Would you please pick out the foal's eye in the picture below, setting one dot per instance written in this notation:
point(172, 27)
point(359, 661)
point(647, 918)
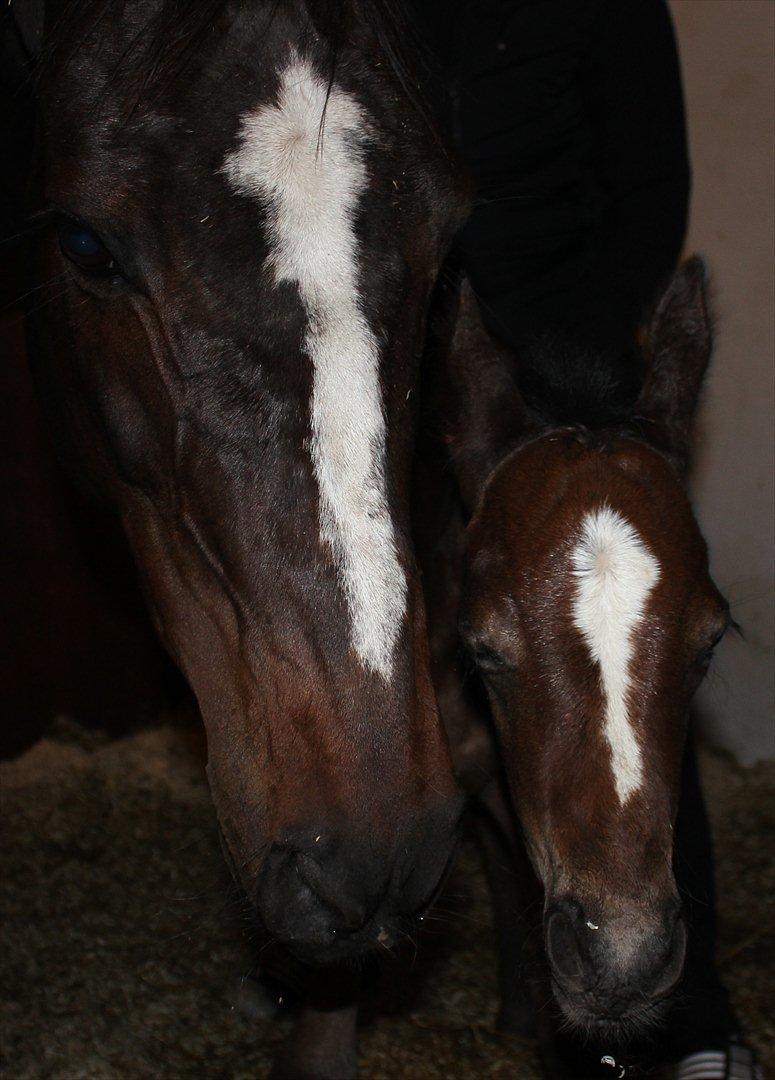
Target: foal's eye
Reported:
point(84, 248)
point(704, 657)
point(705, 654)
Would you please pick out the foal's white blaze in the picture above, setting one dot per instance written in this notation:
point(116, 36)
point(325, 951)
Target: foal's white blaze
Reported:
point(310, 180)
point(615, 573)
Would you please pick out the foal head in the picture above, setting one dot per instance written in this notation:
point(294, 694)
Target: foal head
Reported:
point(591, 614)
point(250, 213)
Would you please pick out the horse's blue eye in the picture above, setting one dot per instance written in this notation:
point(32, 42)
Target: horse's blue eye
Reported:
point(85, 249)
point(81, 242)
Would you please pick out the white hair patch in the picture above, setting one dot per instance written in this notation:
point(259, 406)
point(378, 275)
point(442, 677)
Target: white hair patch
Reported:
point(615, 574)
point(309, 171)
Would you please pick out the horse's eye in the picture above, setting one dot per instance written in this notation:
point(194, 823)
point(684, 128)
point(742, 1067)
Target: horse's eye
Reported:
point(84, 248)
point(488, 659)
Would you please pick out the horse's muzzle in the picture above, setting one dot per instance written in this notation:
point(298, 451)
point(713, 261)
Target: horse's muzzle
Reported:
point(330, 897)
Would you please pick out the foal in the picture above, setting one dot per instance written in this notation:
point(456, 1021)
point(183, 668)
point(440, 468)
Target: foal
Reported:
point(248, 211)
point(586, 604)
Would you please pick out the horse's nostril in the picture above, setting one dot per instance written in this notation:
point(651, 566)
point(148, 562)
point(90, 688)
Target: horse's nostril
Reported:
point(309, 871)
point(303, 898)
point(348, 912)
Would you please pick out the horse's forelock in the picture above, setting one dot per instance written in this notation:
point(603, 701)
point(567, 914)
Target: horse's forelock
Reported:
point(164, 41)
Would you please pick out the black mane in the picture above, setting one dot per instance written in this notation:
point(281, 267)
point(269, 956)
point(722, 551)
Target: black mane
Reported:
point(568, 383)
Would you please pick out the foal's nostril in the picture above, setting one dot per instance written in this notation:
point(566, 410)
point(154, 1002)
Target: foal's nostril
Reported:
point(615, 963)
point(673, 964)
point(566, 951)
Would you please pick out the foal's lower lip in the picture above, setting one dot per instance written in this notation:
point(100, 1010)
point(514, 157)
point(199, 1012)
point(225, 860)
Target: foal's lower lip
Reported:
point(605, 1022)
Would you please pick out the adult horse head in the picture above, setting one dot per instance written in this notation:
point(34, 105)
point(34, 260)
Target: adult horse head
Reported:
point(249, 212)
point(590, 612)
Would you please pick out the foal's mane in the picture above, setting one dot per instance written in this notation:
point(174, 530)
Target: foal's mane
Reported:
point(591, 386)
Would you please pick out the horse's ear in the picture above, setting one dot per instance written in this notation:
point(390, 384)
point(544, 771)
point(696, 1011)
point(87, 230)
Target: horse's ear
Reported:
point(26, 19)
point(21, 41)
point(485, 416)
point(679, 342)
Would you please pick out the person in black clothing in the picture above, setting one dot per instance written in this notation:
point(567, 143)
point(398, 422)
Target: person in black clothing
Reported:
point(570, 117)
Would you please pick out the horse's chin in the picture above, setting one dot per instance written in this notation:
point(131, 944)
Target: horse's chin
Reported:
point(351, 954)
point(365, 950)
point(590, 1020)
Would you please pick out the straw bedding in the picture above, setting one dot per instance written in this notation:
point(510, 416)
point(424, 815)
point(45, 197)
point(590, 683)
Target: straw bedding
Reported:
point(124, 951)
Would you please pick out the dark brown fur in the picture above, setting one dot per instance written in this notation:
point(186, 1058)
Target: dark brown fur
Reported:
point(178, 387)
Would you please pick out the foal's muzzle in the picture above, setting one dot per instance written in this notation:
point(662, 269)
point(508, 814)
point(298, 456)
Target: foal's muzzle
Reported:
point(613, 971)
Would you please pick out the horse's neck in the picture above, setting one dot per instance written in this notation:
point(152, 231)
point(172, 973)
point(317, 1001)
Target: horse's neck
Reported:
point(439, 539)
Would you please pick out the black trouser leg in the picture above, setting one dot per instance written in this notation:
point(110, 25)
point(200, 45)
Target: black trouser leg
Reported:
point(701, 1017)
point(507, 879)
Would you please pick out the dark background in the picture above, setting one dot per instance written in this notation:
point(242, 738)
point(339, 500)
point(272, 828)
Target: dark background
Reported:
point(74, 636)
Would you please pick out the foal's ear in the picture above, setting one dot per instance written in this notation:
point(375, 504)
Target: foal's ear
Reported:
point(486, 416)
point(679, 342)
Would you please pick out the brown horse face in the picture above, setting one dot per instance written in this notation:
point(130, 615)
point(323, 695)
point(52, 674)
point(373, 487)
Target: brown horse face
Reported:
point(243, 258)
point(592, 614)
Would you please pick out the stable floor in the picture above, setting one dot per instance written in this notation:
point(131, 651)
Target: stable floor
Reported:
point(124, 952)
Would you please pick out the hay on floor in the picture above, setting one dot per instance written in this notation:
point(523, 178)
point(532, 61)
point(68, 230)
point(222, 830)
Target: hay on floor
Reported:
point(124, 949)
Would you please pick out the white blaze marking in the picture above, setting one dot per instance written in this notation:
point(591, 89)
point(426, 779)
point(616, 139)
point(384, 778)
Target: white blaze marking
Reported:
point(310, 184)
point(615, 574)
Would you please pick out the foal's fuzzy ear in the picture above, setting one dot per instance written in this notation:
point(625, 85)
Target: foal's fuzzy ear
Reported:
point(486, 416)
point(679, 342)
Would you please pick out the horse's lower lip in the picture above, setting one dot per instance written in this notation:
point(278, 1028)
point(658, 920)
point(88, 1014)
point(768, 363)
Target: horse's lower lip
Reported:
point(341, 949)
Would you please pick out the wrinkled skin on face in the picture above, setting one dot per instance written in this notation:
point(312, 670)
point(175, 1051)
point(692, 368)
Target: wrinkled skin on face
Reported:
point(178, 381)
